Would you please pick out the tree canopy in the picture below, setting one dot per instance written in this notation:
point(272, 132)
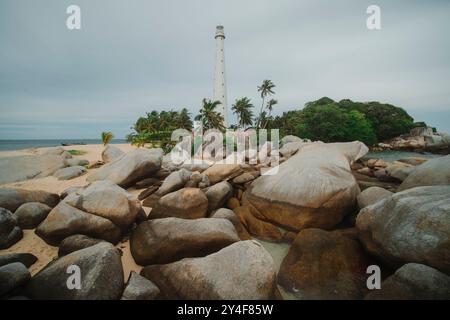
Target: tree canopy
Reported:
point(327, 120)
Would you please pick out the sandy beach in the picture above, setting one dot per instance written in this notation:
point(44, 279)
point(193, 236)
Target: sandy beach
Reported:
point(31, 243)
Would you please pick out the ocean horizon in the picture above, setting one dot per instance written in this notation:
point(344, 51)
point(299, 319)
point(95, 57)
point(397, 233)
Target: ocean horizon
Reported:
point(20, 144)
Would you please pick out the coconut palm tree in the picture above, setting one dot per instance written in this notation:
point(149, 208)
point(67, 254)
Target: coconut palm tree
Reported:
point(265, 89)
point(270, 105)
point(209, 116)
point(107, 137)
point(183, 119)
point(243, 109)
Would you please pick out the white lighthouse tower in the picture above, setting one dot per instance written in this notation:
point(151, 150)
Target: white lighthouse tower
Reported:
point(220, 85)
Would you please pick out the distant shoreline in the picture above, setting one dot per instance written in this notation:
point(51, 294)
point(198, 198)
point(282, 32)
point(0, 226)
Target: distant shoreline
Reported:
point(22, 144)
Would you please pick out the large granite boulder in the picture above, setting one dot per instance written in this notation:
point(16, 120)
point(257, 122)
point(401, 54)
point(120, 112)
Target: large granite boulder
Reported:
point(315, 188)
point(12, 276)
point(101, 274)
point(26, 259)
point(399, 172)
point(218, 194)
point(324, 265)
point(432, 173)
point(140, 288)
point(31, 214)
point(228, 214)
point(12, 199)
point(75, 243)
point(243, 270)
point(290, 138)
point(256, 226)
point(130, 168)
point(69, 172)
point(170, 239)
point(65, 220)
point(188, 203)
point(20, 168)
point(409, 226)
point(220, 171)
point(175, 181)
point(10, 233)
point(106, 199)
point(413, 282)
point(372, 195)
point(111, 153)
point(414, 161)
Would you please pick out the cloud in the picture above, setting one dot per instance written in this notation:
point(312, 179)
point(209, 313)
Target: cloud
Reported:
point(132, 57)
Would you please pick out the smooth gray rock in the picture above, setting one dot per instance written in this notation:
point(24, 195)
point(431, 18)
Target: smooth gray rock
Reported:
point(432, 173)
point(130, 168)
point(243, 270)
point(10, 233)
point(218, 194)
point(413, 282)
point(399, 172)
point(107, 200)
point(187, 203)
point(65, 220)
point(26, 259)
point(324, 265)
point(244, 178)
point(20, 168)
point(228, 214)
point(140, 288)
point(111, 153)
point(70, 190)
point(409, 226)
point(12, 276)
point(69, 172)
point(175, 181)
point(290, 138)
point(219, 172)
point(101, 276)
point(315, 188)
point(31, 214)
point(11, 198)
point(149, 182)
point(372, 195)
point(170, 239)
point(75, 243)
point(147, 192)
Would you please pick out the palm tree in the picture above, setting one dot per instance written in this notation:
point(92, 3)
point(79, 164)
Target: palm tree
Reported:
point(266, 89)
point(152, 121)
point(107, 137)
point(262, 117)
point(183, 119)
point(270, 105)
point(242, 108)
point(209, 116)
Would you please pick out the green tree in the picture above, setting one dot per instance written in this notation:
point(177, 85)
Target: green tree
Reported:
point(209, 116)
point(329, 123)
point(107, 137)
point(270, 105)
point(265, 89)
point(243, 109)
point(184, 120)
point(387, 120)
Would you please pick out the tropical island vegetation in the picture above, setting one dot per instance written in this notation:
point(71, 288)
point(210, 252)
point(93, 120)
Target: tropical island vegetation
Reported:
point(323, 119)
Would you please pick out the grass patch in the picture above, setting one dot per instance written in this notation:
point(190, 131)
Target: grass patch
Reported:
point(77, 152)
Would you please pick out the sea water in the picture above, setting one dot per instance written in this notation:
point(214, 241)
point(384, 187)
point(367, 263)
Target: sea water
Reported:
point(8, 145)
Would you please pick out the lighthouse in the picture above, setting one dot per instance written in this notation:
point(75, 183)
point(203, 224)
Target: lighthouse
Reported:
point(220, 85)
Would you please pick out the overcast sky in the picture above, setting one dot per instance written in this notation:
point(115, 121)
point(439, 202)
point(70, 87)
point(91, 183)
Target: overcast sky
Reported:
point(139, 55)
